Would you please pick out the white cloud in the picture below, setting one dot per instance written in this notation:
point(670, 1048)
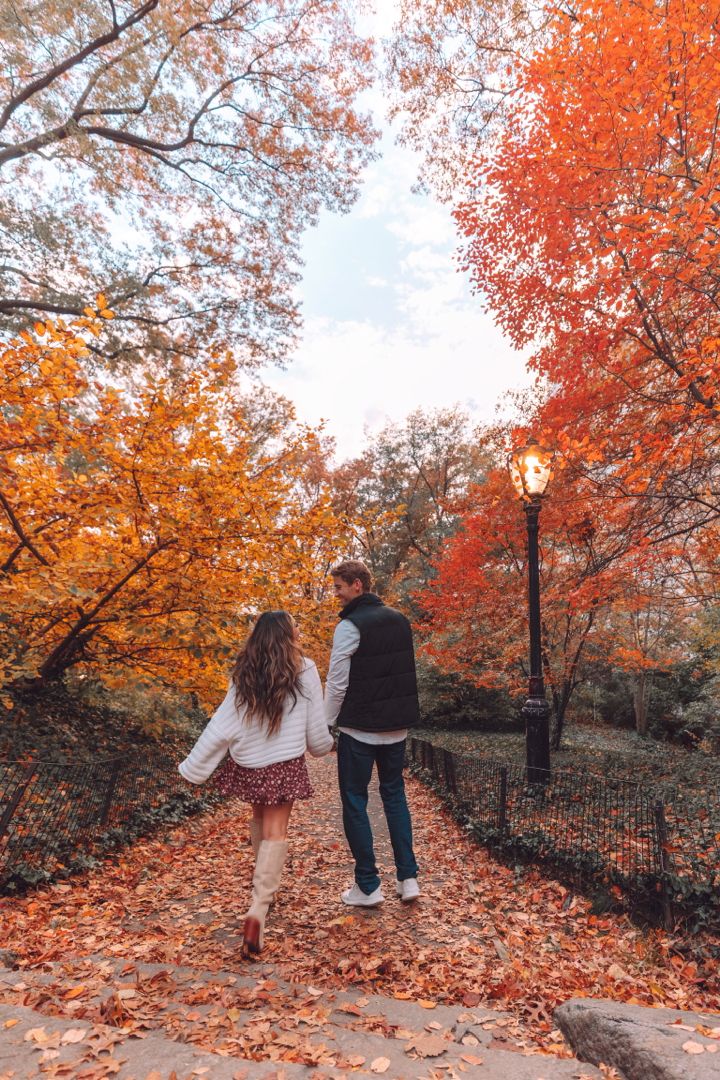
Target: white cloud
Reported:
point(391, 324)
point(356, 376)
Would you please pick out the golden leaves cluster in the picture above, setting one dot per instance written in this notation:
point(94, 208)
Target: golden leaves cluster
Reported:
point(144, 522)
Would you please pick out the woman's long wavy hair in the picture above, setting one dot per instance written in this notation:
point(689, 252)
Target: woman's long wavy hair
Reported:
point(267, 669)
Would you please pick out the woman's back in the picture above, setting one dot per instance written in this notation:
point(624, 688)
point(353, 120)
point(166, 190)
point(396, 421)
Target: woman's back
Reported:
point(301, 728)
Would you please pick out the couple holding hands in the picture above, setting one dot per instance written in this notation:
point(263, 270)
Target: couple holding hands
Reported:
point(274, 711)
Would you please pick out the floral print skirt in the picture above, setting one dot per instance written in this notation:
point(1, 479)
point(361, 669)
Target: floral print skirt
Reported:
point(283, 782)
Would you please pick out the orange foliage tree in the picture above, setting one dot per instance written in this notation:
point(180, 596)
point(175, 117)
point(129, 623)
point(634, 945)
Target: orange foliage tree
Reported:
point(594, 234)
point(476, 607)
point(143, 524)
point(591, 221)
point(628, 601)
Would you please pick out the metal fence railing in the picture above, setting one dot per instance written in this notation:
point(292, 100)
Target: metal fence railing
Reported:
point(53, 813)
point(598, 828)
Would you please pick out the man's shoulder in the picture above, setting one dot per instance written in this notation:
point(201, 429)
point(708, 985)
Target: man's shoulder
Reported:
point(386, 616)
point(395, 613)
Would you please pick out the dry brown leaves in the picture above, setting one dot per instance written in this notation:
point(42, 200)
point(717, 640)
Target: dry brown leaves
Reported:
point(179, 900)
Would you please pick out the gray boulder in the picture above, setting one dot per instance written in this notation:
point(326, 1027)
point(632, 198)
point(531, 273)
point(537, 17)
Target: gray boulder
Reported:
point(643, 1044)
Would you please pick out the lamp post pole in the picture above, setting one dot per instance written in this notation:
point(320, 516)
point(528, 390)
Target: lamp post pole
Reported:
point(536, 710)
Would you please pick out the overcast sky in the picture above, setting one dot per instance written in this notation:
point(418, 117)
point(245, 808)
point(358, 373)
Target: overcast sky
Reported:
point(390, 323)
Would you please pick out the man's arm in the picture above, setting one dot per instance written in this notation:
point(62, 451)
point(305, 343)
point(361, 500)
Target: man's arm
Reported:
point(345, 644)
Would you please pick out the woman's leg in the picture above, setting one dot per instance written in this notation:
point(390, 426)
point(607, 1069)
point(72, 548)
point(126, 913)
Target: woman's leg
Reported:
point(256, 826)
point(275, 821)
point(268, 870)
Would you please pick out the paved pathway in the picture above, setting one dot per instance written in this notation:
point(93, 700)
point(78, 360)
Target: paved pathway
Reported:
point(136, 971)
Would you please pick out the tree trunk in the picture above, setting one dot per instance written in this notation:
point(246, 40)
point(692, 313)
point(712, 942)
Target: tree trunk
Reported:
point(641, 698)
point(560, 704)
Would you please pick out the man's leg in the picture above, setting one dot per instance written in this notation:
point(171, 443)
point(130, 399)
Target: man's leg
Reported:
point(355, 765)
point(390, 761)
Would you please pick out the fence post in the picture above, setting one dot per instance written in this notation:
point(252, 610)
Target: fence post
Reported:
point(15, 800)
point(450, 776)
point(112, 783)
point(661, 844)
point(502, 809)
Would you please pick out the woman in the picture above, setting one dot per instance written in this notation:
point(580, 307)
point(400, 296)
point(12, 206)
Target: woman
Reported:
point(272, 713)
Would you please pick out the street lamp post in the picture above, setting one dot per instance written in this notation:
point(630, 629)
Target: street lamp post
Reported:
point(530, 470)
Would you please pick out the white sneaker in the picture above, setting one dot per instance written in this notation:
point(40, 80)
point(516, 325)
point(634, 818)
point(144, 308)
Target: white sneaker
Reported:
point(408, 889)
point(355, 897)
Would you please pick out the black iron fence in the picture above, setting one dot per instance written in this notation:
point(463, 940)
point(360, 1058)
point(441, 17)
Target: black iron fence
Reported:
point(53, 816)
point(597, 828)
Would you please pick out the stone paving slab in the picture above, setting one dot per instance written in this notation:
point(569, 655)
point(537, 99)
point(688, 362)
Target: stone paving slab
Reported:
point(32, 1047)
point(342, 1004)
point(22, 1057)
point(407, 1040)
point(644, 1044)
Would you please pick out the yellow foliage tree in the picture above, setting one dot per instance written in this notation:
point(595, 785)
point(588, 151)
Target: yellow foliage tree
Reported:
point(144, 523)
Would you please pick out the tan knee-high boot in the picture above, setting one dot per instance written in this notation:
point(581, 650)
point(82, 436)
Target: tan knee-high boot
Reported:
point(268, 871)
point(256, 840)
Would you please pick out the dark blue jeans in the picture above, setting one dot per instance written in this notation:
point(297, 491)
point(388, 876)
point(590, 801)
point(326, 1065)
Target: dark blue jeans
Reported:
point(355, 766)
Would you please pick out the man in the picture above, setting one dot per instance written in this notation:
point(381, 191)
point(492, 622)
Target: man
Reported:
point(371, 693)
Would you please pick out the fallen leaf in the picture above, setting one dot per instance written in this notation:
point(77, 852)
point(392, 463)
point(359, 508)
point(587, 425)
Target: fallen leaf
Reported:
point(472, 1059)
point(73, 1035)
point(35, 1035)
point(380, 1065)
point(427, 1045)
point(691, 1047)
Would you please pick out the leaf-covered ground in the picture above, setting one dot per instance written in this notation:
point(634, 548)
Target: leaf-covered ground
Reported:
point(482, 934)
point(663, 767)
point(685, 779)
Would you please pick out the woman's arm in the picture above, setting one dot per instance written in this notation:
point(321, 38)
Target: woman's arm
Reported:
point(212, 746)
point(318, 738)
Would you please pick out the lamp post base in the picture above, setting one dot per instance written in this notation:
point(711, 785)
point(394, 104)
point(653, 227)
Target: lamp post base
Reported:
point(536, 713)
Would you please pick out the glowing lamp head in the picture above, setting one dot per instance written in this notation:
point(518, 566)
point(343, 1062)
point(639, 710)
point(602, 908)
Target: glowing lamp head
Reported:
point(531, 470)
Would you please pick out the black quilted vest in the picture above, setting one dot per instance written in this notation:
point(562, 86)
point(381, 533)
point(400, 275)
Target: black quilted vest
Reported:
point(382, 691)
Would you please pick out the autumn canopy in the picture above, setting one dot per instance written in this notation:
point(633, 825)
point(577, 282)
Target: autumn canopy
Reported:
point(166, 160)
